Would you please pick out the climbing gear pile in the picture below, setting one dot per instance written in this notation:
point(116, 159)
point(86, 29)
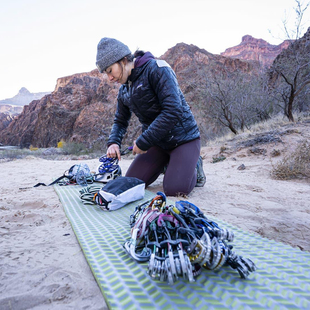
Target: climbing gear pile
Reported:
point(77, 174)
point(80, 174)
point(179, 241)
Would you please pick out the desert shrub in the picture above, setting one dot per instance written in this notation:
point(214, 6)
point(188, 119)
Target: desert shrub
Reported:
point(11, 153)
point(295, 165)
point(72, 148)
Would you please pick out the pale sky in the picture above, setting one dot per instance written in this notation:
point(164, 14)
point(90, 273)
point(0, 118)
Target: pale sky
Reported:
point(41, 40)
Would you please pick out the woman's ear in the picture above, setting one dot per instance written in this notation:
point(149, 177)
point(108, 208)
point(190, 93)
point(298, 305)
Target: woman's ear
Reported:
point(124, 60)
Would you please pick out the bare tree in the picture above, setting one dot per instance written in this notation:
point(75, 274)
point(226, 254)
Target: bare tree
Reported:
point(297, 30)
point(237, 99)
point(290, 74)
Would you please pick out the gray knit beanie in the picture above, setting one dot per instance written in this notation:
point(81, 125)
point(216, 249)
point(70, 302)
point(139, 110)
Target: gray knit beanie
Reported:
point(109, 51)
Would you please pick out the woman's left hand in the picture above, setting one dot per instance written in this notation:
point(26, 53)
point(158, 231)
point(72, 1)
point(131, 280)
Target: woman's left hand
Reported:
point(136, 150)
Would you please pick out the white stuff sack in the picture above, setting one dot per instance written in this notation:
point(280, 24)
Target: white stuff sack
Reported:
point(119, 192)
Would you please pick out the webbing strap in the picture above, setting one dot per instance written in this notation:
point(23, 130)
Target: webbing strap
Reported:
point(54, 182)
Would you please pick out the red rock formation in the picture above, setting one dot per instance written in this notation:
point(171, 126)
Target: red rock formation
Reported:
point(45, 122)
point(82, 106)
point(192, 65)
point(10, 110)
point(5, 120)
point(256, 49)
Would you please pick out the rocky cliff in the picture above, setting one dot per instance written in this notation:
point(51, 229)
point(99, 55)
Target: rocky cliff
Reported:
point(10, 110)
point(78, 110)
point(82, 106)
point(256, 49)
point(193, 65)
point(5, 120)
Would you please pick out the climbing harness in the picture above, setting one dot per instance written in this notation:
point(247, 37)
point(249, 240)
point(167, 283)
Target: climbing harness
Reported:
point(179, 241)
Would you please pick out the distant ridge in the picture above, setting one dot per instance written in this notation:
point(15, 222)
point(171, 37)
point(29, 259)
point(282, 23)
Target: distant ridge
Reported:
point(23, 97)
point(256, 49)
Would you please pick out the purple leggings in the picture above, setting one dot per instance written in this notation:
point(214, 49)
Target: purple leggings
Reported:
point(180, 177)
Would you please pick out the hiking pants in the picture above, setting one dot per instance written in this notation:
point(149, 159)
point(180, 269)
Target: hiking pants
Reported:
point(180, 176)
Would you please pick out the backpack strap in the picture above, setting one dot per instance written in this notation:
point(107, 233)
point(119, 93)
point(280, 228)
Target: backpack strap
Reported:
point(101, 201)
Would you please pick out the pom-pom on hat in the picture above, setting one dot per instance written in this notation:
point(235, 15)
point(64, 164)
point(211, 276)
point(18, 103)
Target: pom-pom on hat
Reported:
point(109, 51)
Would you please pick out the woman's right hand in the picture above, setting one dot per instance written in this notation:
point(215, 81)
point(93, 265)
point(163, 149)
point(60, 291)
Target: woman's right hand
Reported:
point(113, 151)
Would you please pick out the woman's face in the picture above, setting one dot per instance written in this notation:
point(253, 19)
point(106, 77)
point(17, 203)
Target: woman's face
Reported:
point(117, 73)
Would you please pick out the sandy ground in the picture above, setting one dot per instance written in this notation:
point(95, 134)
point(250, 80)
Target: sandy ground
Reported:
point(42, 265)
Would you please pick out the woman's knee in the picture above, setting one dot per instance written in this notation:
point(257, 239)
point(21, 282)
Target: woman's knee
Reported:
point(178, 188)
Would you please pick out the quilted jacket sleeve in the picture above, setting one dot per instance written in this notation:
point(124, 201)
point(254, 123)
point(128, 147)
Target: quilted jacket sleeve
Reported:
point(121, 121)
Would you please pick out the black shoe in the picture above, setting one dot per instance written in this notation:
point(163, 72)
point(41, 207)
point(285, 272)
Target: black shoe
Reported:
point(201, 177)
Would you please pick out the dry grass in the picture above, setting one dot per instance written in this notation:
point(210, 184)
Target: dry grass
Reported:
point(295, 165)
point(67, 151)
point(273, 123)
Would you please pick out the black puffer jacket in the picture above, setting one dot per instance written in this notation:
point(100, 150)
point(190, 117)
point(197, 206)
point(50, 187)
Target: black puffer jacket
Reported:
point(153, 94)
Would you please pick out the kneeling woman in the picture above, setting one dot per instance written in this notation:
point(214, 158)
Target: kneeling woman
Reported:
point(170, 136)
